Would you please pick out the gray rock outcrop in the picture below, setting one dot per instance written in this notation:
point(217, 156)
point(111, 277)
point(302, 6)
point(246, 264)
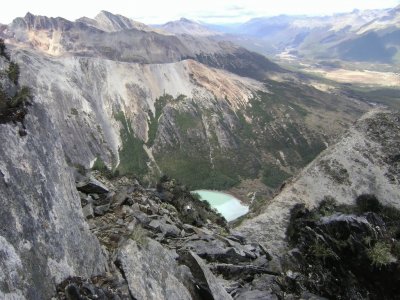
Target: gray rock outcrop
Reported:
point(43, 235)
point(151, 272)
point(205, 276)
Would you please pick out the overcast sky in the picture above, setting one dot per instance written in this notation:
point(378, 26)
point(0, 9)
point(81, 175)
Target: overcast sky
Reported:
point(160, 11)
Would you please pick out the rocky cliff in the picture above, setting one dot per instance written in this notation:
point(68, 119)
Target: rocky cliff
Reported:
point(44, 237)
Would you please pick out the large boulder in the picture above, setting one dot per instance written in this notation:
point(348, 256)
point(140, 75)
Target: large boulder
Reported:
point(151, 271)
point(205, 278)
point(91, 185)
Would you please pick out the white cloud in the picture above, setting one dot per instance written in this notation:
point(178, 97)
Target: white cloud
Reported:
point(158, 11)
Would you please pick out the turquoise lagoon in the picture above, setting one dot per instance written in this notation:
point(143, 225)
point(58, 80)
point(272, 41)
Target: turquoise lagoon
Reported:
point(229, 206)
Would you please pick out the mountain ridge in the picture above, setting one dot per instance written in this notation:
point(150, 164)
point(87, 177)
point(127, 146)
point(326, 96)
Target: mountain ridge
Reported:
point(57, 37)
point(109, 22)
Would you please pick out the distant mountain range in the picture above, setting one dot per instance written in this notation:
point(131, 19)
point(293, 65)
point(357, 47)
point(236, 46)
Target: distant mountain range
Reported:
point(370, 35)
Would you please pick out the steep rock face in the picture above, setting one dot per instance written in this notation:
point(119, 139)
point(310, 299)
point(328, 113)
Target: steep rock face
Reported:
point(44, 238)
point(87, 98)
point(364, 161)
point(182, 114)
point(58, 36)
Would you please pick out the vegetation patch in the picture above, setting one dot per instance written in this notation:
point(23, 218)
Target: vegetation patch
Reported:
point(336, 171)
point(380, 254)
point(13, 72)
point(385, 96)
point(195, 171)
point(13, 107)
point(272, 126)
point(185, 121)
point(159, 105)
point(133, 158)
point(99, 165)
point(74, 111)
point(273, 176)
point(268, 112)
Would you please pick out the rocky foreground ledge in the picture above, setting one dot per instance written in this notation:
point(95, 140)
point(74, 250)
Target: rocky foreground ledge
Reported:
point(163, 243)
point(337, 232)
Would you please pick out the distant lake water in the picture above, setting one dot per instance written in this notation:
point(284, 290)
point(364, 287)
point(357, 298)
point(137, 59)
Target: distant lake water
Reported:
point(229, 206)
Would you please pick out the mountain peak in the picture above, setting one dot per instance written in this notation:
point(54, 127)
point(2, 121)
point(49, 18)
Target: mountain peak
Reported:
point(186, 26)
point(38, 22)
point(106, 13)
point(109, 22)
point(29, 15)
point(185, 20)
point(109, 15)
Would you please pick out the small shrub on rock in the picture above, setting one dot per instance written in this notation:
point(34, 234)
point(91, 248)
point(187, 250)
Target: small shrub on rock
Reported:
point(13, 72)
point(380, 254)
